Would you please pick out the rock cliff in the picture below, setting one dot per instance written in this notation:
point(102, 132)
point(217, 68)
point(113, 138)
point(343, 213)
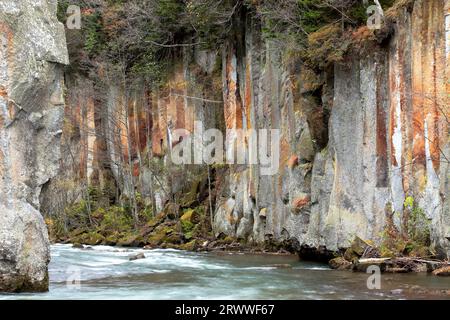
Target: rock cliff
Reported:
point(371, 132)
point(357, 139)
point(32, 50)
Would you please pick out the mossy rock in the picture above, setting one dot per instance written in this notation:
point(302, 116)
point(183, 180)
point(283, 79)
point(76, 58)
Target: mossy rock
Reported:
point(340, 263)
point(93, 238)
point(357, 249)
point(167, 229)
point(131, 240)
point(359, 246)
point(174, 238)
point(111, 240)
point(226, 240)
point(191, 215)
point(153, 222)
point(350, 255)
point(190, 246)
point(159, 235)
point(155, 239)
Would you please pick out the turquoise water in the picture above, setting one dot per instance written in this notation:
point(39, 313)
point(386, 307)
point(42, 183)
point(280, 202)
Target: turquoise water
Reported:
point(106, 273)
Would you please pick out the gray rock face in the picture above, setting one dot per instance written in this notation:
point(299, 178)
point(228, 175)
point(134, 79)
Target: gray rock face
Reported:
point(32, 50)
point(354, 140)
point(387, 138)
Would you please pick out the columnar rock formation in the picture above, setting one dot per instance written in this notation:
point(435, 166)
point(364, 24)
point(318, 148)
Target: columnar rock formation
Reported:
point(32, 50)
point(387, 137)
point(356, 140)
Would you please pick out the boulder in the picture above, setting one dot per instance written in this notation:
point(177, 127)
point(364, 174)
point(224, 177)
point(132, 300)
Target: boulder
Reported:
point(359, 246)
point(443, 272)
point(24, 250)
point(357, 249)
point(132, 240)
point(340, 263)
point(137, 256)
point(190, 246)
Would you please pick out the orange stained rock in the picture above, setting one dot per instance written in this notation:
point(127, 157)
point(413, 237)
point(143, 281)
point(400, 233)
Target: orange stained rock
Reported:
point(293, 161)
point(248, 94)
point(3, 92)
point(301, 202)
point(232, 98)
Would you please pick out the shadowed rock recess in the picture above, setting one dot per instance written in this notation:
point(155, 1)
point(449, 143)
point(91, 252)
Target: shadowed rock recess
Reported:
point(364, 142)
point(32, 50)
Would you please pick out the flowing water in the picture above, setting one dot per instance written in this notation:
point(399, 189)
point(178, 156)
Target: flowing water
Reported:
point(106, 273)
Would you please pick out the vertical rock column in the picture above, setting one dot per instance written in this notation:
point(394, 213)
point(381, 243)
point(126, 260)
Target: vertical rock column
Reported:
point(32, 52)
point(445, 177)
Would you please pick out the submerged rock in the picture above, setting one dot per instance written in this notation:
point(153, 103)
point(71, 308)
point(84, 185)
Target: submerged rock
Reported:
point(137, 257)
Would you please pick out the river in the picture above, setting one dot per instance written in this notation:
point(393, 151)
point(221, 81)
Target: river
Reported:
point(106, 273)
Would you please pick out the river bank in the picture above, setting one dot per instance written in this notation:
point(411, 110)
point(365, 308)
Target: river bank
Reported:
point(190, 230)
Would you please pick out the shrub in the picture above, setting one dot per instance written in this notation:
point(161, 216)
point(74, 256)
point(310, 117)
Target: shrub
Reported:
point(418, 225)
point(116, 219)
